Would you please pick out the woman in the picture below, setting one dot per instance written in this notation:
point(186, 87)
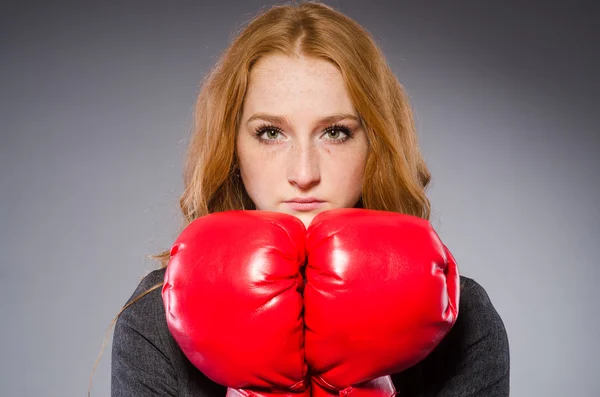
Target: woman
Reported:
point(302, 115)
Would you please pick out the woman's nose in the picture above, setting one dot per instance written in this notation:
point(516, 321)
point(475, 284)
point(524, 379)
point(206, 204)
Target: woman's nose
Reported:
point(303, 167)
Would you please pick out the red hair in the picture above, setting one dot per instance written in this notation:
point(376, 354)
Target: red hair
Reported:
point(396, 172)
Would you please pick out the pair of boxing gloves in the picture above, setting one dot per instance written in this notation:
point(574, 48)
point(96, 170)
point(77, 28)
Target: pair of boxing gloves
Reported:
point(267, 307)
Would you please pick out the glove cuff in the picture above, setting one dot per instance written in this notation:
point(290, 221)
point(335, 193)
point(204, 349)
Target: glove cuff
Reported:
point(378, 387)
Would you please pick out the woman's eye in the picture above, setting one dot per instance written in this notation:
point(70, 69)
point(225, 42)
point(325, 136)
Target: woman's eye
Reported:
point(267, 133)
point(334, 134)
point(271, 134)
point(338, 134)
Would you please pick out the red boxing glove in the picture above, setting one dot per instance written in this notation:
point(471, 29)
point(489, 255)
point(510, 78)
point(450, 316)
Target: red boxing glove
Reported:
point(381, 292)
point(233, 301)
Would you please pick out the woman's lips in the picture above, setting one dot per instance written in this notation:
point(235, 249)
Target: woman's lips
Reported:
point(304, 204)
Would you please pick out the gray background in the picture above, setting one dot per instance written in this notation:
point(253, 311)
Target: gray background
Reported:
point(96, 104)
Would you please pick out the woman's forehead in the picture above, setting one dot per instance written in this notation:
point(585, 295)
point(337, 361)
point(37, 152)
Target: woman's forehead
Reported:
point(283, 84)
point(281, 72)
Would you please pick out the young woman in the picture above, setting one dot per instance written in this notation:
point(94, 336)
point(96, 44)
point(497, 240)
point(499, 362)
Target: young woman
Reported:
point(302, 120)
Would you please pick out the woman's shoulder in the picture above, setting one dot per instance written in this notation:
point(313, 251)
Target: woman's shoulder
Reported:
point(145, 304)
point(479, 325)
point(472, 292)
point(144, 312)
point(150, 280)
point(475, 305)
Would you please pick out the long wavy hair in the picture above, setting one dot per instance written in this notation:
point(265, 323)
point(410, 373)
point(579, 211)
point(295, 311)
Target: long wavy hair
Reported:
point(395, 170)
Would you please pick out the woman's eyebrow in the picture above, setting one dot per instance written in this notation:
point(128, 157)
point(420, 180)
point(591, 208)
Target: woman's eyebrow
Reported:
point(282, 120)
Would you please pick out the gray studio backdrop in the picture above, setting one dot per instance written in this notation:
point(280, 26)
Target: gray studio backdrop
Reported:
point(96, 104)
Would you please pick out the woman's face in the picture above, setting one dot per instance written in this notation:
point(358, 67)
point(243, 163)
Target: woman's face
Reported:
point(301, 146)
